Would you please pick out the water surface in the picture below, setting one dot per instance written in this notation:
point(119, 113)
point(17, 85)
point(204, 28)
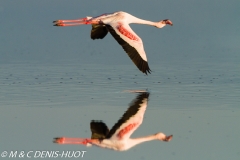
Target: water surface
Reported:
point(200, 107)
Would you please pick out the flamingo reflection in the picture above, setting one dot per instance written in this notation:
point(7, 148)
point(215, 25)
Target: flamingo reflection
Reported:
point(118, 138)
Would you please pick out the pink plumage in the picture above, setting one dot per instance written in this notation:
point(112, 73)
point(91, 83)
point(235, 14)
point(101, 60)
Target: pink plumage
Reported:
point(117, 24)
point(118, 138)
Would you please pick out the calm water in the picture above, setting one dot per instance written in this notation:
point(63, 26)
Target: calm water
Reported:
point(54, 81)
point(199, 105)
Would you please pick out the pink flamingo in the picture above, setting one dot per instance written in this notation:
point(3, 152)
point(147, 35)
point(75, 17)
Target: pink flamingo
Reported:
point(117, 24)
point(118, 138)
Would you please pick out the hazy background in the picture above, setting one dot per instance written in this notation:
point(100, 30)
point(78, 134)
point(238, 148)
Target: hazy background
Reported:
point(55, 80)
point(202, 29)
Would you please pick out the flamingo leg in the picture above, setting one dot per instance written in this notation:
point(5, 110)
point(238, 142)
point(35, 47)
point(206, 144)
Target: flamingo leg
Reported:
point(69, 24)
point(66, 140)
point(70, 20)
point(74, 22)
point(65, 23)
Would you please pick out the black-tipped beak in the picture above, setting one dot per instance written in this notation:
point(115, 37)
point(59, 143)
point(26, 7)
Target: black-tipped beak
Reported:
point(167, 21)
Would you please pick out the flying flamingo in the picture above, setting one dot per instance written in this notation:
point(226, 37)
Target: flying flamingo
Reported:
point(117, 24)
point(118, 138)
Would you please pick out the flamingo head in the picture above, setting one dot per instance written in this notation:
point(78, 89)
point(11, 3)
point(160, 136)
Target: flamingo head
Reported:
point(162, 137)
point(163, 23)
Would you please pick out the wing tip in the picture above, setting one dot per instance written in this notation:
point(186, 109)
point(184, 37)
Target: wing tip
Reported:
point(144, 67)
point(147, 71)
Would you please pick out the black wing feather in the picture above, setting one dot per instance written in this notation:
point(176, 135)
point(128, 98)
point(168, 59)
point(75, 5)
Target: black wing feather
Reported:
point(131, 51)
point(99, 129)
point(98, 31)
point(132, 110)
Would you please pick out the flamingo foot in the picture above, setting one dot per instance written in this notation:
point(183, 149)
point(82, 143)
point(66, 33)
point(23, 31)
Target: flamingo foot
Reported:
point(59, 24)
point(58, 140)
point(58, 21)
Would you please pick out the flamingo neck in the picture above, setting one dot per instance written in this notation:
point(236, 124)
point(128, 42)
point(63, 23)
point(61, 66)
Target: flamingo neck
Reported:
point(145, 139)
point(142, 21)
point(136, 141)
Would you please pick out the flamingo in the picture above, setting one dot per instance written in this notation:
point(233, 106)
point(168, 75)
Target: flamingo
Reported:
point(117, 24)
point(118, 138)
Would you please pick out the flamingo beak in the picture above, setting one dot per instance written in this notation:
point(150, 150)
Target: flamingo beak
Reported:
point(167, 21)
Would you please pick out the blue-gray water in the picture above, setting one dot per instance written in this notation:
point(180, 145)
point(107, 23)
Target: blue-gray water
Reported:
point(54, 81)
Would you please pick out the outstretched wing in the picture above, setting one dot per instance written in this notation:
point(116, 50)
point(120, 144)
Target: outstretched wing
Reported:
point(131, 43)
point(98, 31)
point(131, 119)
point(99, 129)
